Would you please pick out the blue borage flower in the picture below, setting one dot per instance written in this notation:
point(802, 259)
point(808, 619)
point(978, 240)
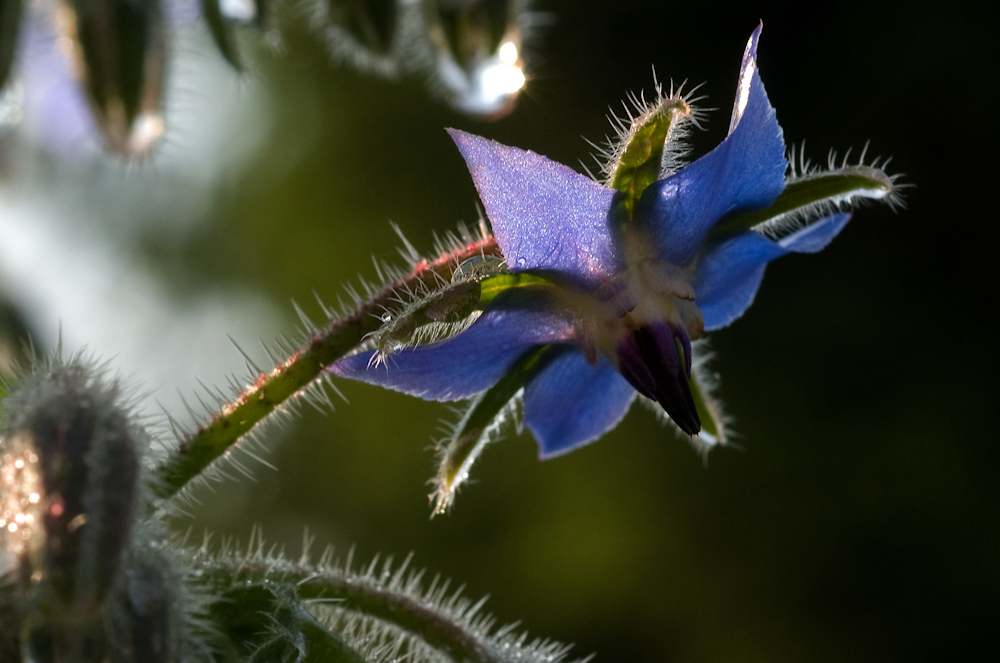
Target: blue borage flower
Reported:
point(625, 275)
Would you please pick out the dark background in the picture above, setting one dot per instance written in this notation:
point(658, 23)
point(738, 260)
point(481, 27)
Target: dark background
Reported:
point(859, 519)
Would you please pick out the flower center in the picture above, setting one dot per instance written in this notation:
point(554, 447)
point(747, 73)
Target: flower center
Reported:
point(644, 326)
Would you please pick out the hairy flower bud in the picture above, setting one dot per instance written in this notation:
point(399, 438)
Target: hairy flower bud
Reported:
point(147, 614)
point(364, 34)
point(69, 467)
point(11, 608)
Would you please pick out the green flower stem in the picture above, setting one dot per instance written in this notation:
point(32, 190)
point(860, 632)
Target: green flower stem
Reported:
point(364, 596)
point(270, 390)
point(416, 617)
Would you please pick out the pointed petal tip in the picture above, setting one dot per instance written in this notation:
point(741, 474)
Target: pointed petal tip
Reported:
point(479, 150)
point(754, 40)
point(463, 140)
point(544, 215)
point(816, 236)
point(457, 135)
point(748, 72)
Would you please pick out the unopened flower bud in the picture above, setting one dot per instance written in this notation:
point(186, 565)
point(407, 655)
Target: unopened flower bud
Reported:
point(364, 34)
point(10, 20)
point(121, 51)
point(147, 611)
point(69, 470)
point(478, 55)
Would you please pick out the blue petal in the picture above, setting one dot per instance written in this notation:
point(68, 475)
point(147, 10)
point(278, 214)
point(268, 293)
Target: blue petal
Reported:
point(55, 106)
point(746, 171)
point(545, 216)
point(729, 274)
point(571, 403)
point(471, 362)
point(815, 236)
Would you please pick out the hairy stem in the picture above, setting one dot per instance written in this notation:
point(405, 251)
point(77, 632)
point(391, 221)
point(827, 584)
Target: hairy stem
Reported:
point(288, 378)
point(368, 597)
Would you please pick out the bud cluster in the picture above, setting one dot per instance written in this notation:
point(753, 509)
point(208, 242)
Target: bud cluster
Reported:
point(118, 51)
point(472, 51)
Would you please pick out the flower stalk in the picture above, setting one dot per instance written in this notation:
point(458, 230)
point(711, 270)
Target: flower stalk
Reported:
point(393, 599)
point(293, 376)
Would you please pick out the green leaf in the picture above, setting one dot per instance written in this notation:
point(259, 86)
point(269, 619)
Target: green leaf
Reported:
point(325, 647)
point(264, 623)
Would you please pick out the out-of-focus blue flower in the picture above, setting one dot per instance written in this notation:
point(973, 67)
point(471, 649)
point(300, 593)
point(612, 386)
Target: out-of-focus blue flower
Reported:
point(631, 288)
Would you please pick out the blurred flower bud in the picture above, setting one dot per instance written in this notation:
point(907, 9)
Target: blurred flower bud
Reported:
point(147, 614)
point(69, 470)
point(120, 47)
point(363, 33)
point(477, 49)
point(10, 20)
point(223, 17)
point(221, 29)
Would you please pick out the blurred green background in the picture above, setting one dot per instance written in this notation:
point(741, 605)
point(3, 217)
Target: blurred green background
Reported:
point(858, 521)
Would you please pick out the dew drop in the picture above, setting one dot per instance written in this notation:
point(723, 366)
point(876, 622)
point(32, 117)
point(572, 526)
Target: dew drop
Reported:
point(478, 267)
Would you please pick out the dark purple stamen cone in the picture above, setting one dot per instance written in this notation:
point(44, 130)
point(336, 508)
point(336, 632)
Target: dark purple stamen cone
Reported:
point(656, 360)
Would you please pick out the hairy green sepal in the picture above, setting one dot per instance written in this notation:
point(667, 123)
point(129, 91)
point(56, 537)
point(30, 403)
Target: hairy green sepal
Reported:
point(486, 413)
point(641, 160)
point(493, 286)
point(708, 411)
point(823, 189)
